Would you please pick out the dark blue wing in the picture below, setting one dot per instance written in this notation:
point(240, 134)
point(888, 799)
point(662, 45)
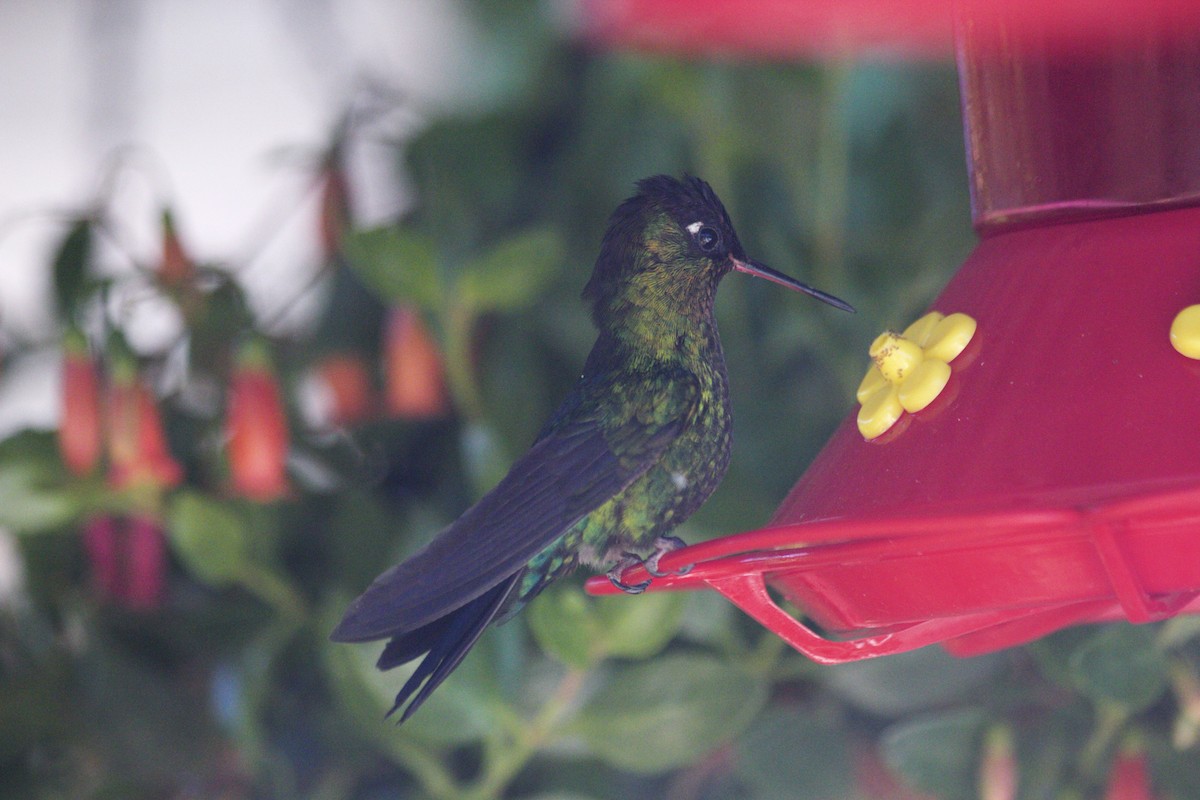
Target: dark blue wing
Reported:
point(569, 472)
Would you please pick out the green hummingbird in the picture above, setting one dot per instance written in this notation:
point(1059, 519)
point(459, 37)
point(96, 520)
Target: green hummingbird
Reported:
point(639, 444)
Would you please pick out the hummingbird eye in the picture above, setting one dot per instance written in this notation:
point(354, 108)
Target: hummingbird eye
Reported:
point(708, 239)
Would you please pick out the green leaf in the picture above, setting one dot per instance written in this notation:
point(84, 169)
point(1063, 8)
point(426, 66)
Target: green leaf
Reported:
point(1121, 665)
point(638, 627)
point(905, 683)
point(513, 274)
point(1053, 653)
point(224, 309)
point(71, 260)
point(209, 537)
point(657, 715)
point(578, 630)
point(463, 709)
point(563, 626)
point(35, 493)
point(937, 753)
point(400, 265)
point(788, 753)
point(30, 502)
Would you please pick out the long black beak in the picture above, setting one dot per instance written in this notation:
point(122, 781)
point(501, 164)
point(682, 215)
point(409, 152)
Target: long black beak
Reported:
point(775, 276)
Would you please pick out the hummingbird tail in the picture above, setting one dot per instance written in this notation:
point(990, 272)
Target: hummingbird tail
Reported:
point(445, 642)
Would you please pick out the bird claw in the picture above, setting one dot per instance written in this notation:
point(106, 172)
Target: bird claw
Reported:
point(614, 574)
point(662, 546)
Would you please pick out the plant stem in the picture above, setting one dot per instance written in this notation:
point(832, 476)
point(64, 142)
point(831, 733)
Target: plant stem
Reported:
point(275, 592)
point(510, 758)
point(428, 769)
point(833, 177)
point(1110, 719)
point(460, 373)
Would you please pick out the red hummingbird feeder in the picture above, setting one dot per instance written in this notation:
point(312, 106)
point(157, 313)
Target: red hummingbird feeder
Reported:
point(1055, 480)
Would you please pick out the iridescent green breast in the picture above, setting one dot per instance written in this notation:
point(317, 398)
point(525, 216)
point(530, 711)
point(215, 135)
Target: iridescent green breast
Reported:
point(690, 469)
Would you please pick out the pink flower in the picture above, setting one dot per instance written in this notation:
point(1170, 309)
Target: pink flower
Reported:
point(128, 559)
point(1129, 779)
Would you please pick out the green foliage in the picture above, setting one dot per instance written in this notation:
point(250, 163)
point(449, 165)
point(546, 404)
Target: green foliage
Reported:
point(668, 712)
point(209, 537)
point(788, 753)
point(398, 265)
point(1121, 665)
point(513, 274)
point(71, 266)
point(34, 495)
point(578, 631)
point(938, 753)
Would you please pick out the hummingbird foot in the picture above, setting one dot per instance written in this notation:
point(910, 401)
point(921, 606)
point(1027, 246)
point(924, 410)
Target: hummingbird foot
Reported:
point(615, 574)
point(662, 546)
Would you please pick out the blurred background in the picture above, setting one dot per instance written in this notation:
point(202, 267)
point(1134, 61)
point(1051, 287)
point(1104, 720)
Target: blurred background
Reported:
point(287, 284)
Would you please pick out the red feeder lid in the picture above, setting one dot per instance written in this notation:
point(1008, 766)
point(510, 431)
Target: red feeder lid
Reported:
point(1055, 480)
point(805, 28)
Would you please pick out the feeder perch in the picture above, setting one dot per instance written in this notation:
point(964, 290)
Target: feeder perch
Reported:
point(1054, 479)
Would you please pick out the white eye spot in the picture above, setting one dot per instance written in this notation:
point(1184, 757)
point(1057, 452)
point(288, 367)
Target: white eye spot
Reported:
point(680, 480)
point(694, 227)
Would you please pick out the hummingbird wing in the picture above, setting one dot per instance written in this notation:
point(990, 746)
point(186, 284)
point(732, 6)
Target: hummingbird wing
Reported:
point(583, 459)
point(446, 641)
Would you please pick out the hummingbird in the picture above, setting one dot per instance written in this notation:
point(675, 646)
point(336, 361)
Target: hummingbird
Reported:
point(639, 443)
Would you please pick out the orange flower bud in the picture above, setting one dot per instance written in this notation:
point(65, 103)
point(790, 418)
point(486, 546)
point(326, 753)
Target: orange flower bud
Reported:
point(257, 428)
point(79, 430)
point(176, 268)
point(415, 374)
point(137, 448)
point(347, 386)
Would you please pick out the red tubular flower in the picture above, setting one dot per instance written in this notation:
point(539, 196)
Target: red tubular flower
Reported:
point(1129, 779)
point(415, 374)
point(345, 378)
point(79, 430)
point(257, 428)
point(128, 560)
point(137, 447)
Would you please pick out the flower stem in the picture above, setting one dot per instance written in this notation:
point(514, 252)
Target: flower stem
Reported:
point(460, 373)
point(511, 757)
point(275, 591)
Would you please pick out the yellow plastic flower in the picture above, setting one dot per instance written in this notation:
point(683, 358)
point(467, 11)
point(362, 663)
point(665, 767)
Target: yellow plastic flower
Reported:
point(910, 369)
point(1185, 332)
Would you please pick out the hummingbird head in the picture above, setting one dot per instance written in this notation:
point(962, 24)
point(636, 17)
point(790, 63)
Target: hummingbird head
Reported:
point(667, 248)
